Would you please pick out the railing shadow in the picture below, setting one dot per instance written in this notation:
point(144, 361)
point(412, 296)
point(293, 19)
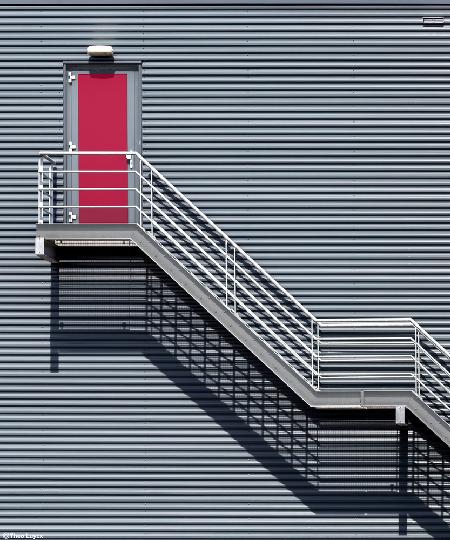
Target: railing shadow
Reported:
point(319, 456)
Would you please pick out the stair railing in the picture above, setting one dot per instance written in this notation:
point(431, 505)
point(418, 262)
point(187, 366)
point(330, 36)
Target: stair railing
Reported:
point(414, 359)
point(232, 275)
point(327, 353)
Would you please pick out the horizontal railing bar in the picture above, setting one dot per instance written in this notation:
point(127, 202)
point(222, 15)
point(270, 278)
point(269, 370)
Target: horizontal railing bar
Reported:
point(91, 189)
point(90, 171)
point(364, 358)
point(364, 326)
point(366, 319)
point(87, 206)
point(356, 341)
point(47, 154)
point(359, 375)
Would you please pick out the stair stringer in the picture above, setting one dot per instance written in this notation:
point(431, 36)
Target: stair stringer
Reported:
point(47, 235)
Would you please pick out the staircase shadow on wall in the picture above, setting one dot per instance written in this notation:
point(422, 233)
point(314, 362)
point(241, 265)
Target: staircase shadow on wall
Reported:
point(318, 455)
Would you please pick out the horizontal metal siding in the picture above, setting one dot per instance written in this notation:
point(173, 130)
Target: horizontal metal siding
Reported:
point(139, 416)
point(317, 138)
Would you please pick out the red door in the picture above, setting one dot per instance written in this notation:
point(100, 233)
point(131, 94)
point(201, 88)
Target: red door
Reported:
point(102, 126)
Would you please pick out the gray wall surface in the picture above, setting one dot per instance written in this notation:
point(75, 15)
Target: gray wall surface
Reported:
point(317, 137)
point(139, 416)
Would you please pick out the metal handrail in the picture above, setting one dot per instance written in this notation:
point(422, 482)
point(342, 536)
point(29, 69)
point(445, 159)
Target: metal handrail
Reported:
point(156, 207)
point(270, 312)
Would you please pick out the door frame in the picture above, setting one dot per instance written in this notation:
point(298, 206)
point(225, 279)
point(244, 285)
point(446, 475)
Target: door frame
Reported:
point(70, 108)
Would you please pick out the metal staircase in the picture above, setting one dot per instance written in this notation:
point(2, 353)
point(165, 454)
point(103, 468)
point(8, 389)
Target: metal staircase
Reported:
point(391, 362)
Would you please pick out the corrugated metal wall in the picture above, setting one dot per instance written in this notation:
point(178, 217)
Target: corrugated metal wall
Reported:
point(143, 418)
point(318, 138)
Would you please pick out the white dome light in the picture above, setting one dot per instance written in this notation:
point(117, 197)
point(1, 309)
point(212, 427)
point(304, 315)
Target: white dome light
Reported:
point(100, 50)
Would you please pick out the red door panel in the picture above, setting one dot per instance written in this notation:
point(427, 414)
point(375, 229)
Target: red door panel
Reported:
point(102, 126)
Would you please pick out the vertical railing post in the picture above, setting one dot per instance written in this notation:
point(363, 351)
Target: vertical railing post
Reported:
point(40, 191)
point(318, 355)
point(415, 359)
point(226, 272)
point(312, 352)
point(417, 356)
point(151, 202)
point(141, 187)
point(234, 277)
point(50, 193)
